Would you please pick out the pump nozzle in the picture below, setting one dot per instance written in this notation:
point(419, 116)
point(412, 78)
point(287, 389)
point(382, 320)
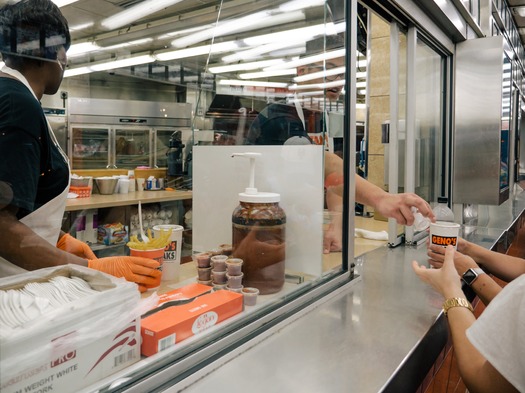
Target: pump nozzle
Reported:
point(251, 155)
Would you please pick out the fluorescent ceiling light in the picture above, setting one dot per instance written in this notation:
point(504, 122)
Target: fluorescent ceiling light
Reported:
point(222, 28)
point(126, 44)
point(77, 71)
point(326, 85)
point(267, 74)
point(361, 92)
point(320, 74)
point(245, 66)
point(198, 51)
point(62, 3)
point(258, 51)
point(305, 33)
point(109, 65)
point(82, 49)
point(184, 31)
point(136, 12)
point(81, 27)
point(236, 82)
point(287, 52)
point(89, 47)
point(300, 5)
point(131, 61)
point(308, 60)
point(246, 23)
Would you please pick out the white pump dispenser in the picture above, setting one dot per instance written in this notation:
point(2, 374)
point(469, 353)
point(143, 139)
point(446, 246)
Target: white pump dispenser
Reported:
point(250, 194)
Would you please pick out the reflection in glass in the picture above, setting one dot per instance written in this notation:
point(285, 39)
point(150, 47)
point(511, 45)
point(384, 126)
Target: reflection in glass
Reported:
point(429, 122)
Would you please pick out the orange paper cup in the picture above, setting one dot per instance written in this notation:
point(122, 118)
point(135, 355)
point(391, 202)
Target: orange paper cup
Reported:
point(156, 254)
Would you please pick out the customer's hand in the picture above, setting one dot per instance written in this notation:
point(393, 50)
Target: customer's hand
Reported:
point(462, 262)
point(74, 246)
point(445, 280)
point(142, 271)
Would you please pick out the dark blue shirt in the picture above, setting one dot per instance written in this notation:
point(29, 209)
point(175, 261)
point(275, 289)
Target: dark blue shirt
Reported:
point(30, 164)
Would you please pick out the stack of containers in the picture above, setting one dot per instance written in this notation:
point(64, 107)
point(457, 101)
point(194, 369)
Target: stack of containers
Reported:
point(234, 274)
point(218, 271)
point(203, 268)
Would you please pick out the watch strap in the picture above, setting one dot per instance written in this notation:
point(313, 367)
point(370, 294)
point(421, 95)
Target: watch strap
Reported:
point(456, 302)
point(471, 275)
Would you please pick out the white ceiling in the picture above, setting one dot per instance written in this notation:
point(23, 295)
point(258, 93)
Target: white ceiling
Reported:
point(184, 15)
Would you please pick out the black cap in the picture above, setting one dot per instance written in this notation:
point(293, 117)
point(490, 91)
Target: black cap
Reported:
point(443, 199)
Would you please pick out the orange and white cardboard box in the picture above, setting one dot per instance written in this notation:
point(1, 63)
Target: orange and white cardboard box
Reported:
point(185, 292)
point(76, 345)
point(174, 324)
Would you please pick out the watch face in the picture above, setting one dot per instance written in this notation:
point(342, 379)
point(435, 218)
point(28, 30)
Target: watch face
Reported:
point(469, 276)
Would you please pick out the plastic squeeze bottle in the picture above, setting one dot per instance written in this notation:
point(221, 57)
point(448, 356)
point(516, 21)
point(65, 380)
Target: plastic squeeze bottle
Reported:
point(258, 233)
point(442, 211)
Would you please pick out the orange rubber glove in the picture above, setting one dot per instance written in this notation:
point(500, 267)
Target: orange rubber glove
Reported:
point(74, 246)
point(142, 271)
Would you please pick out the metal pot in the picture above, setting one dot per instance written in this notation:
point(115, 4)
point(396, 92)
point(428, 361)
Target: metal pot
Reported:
point(106, 185)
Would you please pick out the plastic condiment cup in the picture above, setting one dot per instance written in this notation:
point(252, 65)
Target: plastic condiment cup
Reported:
point(237, 290)
point(234, 281)
point(219, 287)
point(218, 277)
point(250, 296)
point(444, 233)
point(215, 251)
point(156, 254)
point(204, 273)
point(141, 182)
point(421, 223)
point(205, 282)
point(218, 263)
point(234, 266)
point(202, 259)
point(226, 249)
point(123, 186)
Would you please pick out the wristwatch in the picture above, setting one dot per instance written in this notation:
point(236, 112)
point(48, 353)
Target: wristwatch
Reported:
point(471, 275)
point(456, 302)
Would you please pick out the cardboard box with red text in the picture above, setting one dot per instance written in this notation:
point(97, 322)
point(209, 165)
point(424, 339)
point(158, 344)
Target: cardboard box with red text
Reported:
point(77, 344)
point(185, 292)
point(172, 325)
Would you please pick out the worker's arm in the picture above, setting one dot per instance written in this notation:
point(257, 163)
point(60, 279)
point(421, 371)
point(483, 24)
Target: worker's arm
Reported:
point(26, 249)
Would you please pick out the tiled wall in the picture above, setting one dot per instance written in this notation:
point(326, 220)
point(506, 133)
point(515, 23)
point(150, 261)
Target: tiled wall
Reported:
point(379, 95)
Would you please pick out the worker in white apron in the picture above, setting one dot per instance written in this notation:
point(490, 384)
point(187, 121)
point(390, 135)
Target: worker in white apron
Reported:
point(35, 240)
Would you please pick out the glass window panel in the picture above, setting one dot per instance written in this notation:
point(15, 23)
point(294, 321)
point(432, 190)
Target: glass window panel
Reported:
point(132, 147)
point(89, 147)
point(429, 122)
point(278, 75)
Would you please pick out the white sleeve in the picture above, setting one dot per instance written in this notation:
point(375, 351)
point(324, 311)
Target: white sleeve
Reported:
point(499, 333)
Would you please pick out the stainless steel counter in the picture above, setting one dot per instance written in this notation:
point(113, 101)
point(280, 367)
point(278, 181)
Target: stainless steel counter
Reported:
point(380, 332)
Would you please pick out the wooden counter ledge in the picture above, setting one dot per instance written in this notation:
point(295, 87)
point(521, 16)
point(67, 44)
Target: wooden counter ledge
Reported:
point(131, 198)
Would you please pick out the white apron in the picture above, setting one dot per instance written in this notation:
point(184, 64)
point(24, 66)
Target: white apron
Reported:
point(46, 221)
